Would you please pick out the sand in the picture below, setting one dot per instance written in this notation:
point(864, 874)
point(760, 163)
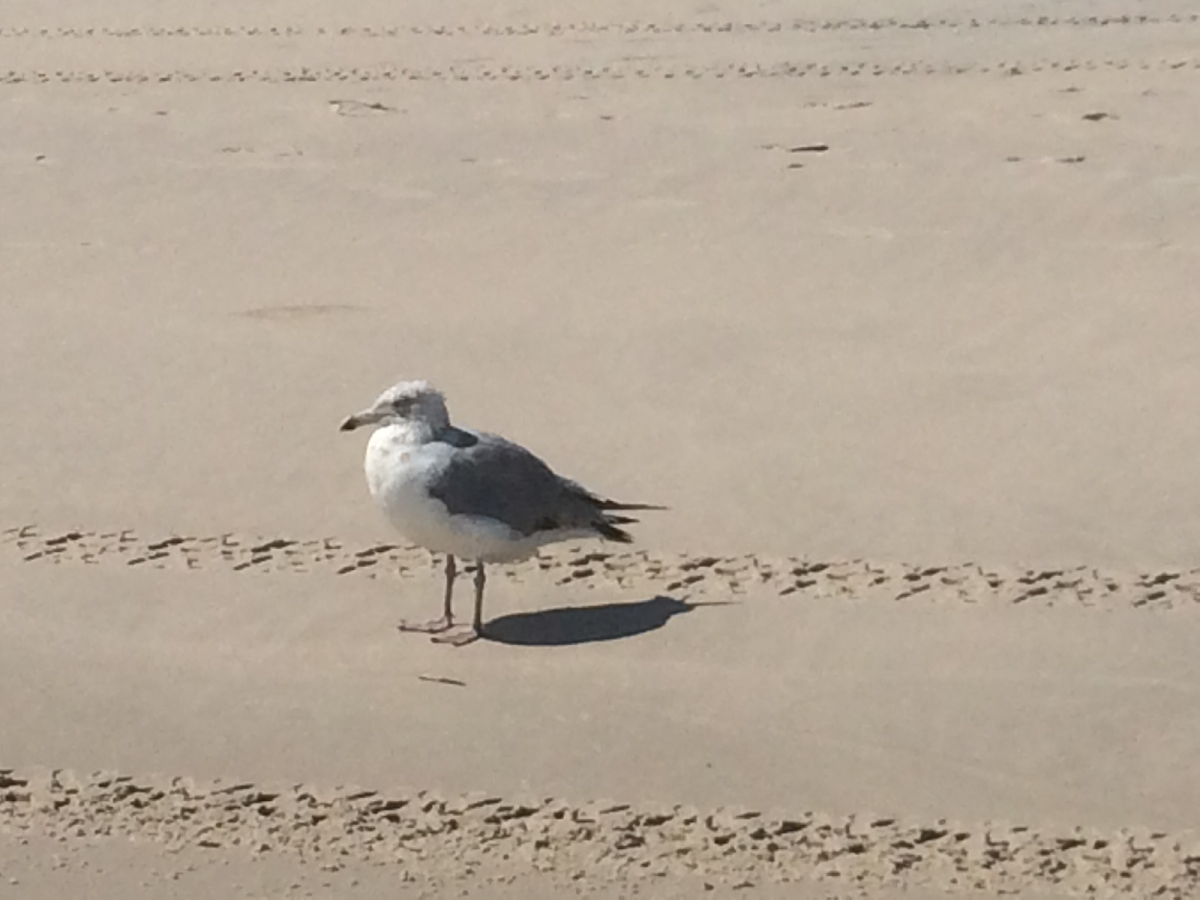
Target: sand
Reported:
point(891, 306)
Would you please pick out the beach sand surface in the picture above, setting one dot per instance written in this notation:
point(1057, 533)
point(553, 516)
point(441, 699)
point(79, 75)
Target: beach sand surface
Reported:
point(891, 306)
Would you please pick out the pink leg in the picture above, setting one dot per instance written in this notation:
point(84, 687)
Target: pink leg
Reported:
point(446, 621)
point(461, 636)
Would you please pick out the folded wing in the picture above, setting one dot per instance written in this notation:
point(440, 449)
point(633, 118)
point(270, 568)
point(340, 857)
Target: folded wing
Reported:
point(495, 478)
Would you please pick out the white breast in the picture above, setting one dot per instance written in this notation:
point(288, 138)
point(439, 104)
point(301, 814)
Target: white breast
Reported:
point(398, 472)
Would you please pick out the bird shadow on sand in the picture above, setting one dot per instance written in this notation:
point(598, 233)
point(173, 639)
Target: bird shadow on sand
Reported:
point(570, 625)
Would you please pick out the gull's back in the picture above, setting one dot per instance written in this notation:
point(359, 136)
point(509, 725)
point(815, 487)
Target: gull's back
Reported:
point(488, 475)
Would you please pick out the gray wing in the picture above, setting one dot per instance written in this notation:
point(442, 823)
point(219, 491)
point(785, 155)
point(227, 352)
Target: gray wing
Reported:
point(490, 476)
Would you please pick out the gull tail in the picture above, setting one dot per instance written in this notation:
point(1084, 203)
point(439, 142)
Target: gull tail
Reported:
point(606, 529)
point(607, 522)
point(602, 503)
point(603, 522)
point(621, 520)
point(606, 504)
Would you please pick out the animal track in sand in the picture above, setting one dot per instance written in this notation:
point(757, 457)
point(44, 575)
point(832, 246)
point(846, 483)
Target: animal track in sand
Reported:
point(569, 29)
point(591, 567)
point(450, 836)
point(482, 72)
point(754, 45)
point(359, 108)
point(298, 312)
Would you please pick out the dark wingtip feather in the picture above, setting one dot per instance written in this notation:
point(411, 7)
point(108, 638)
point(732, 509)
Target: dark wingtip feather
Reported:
point(610, 531)
point(615, 504)
point(621, 520)
point(604, 503)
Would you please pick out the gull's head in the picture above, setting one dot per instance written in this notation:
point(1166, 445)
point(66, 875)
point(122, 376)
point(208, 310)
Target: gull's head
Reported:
point(406, 402)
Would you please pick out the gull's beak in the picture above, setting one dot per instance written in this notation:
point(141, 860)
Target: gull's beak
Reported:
point(367, 417)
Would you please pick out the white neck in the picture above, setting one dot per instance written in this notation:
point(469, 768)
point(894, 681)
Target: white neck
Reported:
point(406, 431)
